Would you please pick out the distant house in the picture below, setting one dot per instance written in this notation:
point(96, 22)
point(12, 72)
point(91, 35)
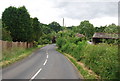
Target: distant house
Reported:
point(98, 36)
point(79, 35)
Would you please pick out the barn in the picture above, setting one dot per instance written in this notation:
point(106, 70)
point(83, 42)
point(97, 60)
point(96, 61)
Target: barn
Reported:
point(98, 36)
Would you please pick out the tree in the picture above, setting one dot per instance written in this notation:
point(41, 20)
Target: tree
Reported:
point(5, 35)
point(111, 29)
point(36, 29)
point(9, 20)
point(18, 22)
point(55, 26)
point(100, 29)
point(0, 23)
point(86, 28)
point(46, 29)
point(25, 25)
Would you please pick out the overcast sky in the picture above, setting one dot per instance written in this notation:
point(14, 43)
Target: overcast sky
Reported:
point(98, 12)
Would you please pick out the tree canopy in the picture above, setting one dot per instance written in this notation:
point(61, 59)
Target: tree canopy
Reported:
point(111, 29)
point(0, 23)
point(18, 22)
point(36, 29)
point(55, 26)
point(19, 26)
point(86, 28)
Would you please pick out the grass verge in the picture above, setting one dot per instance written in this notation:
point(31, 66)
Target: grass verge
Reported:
point(85, 72)
point(13, 55)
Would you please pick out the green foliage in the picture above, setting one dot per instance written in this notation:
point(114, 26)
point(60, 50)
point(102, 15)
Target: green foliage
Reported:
point(25, 25)
point(18, 22)
point(10, 56)
point(45, 39)
point(84, 72)
point(5, 35)
point(101, 58)
point(0, 23)
point(8, 16)
point(47, 34)
point(111, 29)
point(46, 29)
point(25, 29)
point(61, 42)
point(86, 28)
point(110, 41)
point(36, 29)
point(100, 29)
point(55, 26)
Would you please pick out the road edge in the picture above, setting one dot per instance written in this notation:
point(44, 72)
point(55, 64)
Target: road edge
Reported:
point(76, 65)
point(80, 75)
point(22, 59)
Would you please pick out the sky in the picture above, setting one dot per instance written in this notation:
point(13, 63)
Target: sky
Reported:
point(98, 12)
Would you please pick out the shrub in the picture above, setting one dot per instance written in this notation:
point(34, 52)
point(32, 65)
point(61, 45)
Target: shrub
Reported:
point(45, 39)
point(101, 58)
point(5, 35)
point(60, 42)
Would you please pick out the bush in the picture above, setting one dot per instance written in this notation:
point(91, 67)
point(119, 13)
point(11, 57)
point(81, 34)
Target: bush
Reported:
point(5, 35)
point(45, 39)
point(101, 58)
point(110, 41)
point(60, 42)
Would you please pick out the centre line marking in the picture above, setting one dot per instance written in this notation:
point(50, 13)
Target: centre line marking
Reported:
point(36, 74)
point(45, 62)
point(47, 56)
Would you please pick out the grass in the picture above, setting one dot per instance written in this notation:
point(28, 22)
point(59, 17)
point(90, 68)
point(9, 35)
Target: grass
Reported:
point(13, 55)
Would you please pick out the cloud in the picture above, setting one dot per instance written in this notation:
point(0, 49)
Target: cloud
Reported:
point(104, 21)
point(88, 10)
point(73, 11)
point(43, 9)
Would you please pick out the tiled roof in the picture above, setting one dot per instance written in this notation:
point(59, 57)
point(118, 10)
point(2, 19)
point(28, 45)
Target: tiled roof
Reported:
point(79, 35)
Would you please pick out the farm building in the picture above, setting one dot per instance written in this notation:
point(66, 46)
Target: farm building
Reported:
point(79, 35)
point(97, 37)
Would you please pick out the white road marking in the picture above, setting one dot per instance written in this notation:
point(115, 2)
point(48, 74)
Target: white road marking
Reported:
point(36, 74)
point(45, 62)
point(39, 69)
point(47, 56)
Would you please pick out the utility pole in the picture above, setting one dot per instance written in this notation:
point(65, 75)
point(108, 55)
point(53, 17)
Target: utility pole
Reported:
point(63, 22)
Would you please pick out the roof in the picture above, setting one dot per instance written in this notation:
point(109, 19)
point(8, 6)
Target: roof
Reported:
point(106, 35)
point(79, 35)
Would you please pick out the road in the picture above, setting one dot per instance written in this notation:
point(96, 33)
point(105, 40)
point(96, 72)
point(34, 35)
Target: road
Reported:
point(46, 63)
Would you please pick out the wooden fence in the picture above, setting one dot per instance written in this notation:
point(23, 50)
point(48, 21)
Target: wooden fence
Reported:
point(9, 45)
